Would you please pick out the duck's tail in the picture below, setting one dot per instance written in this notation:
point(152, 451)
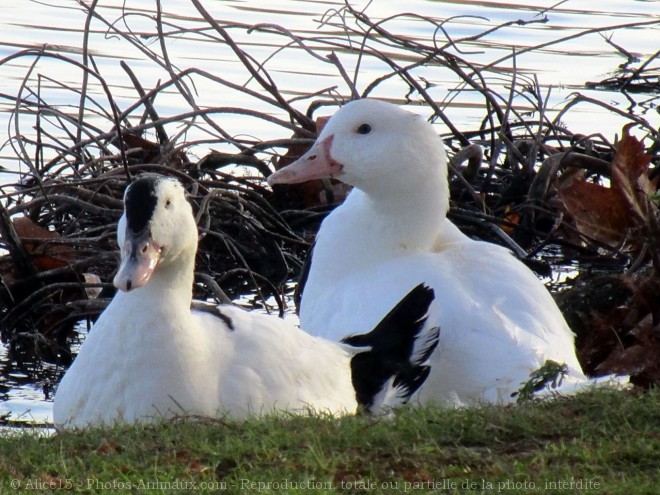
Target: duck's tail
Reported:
point(397, 361)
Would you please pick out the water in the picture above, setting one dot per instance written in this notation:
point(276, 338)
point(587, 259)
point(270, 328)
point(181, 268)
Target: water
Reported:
point(24, 392)
point(560, 70)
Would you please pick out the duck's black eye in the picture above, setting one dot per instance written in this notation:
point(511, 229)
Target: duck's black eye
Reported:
point(363, 129)
point(168, 203)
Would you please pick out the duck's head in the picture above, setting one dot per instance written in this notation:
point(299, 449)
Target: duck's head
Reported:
point(156, 228)
point(375, 146)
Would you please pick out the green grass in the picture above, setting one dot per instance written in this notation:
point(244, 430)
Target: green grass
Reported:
point(604, 442)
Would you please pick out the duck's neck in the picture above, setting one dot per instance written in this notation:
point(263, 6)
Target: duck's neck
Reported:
point(167, 295)
point(370, 227)
point(152, 331)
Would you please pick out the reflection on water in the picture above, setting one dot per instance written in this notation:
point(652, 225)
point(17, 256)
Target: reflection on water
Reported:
point(560, 68)
point(25, 392)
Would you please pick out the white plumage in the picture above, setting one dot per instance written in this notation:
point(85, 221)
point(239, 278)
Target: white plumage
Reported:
point(498, 321)
point(149, 356)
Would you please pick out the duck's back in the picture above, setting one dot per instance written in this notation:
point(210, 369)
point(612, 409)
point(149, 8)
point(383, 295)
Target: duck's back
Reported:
point(273, 365)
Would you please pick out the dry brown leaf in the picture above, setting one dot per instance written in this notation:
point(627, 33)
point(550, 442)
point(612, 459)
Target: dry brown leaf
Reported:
point(630, 174)
point(45, 255)
point(617, 213)
point(598, 212)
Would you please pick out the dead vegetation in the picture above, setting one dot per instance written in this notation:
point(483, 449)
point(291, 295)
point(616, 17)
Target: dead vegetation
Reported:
point(521, 178)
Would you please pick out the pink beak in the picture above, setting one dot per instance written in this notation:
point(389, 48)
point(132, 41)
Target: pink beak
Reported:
point(317, 163)
point(138, 262)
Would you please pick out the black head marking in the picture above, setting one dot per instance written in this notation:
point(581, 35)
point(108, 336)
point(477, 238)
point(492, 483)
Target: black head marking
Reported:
point(140, 202)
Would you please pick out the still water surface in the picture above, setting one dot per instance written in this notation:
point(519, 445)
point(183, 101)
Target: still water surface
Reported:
point(559, 68)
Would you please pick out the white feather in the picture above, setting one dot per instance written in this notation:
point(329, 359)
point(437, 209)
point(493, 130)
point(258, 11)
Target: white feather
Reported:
point(498, 322)
point(149, 356)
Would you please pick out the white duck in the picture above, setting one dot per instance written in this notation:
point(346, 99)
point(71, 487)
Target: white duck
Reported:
point(149, 356)
point(499, 323)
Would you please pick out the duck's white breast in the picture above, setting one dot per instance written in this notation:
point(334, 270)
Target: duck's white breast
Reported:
point(126, 370)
